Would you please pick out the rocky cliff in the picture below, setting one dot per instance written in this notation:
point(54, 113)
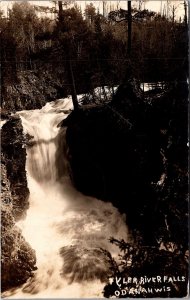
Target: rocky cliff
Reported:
point(32, 89)
point(18, 258)
point(132, 152)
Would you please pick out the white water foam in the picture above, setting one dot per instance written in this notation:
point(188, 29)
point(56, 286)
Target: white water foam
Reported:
point(64, 227)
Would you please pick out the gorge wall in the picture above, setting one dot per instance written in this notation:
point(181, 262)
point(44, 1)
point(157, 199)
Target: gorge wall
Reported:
point(132, 152)
point(32, 89)
point(18, 258)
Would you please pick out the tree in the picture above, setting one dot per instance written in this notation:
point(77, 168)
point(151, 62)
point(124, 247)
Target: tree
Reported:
point(90, 12)
point(141, 261)
point(23, 23)
point(185, 15)
point(104, 7)
point(129, 28)
point(72, 32)
point(60, 5)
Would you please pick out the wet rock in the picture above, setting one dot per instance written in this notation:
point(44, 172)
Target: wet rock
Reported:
point(4, 114)
point(17, 258)
point(15, 159)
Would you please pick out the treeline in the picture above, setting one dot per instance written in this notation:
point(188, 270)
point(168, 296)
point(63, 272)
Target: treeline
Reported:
point(96, 46)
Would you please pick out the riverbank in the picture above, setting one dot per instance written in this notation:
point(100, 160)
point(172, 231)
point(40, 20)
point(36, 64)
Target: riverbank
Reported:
point(18, 259)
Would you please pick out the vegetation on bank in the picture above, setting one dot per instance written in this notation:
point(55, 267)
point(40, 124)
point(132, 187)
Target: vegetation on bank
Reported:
point(147, 271)
point(94, 47)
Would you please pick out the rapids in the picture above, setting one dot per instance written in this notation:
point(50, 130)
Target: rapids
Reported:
point(64, 227)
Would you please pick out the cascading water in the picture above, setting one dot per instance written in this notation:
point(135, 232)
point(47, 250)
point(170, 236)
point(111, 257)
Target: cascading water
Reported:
point(64, 227)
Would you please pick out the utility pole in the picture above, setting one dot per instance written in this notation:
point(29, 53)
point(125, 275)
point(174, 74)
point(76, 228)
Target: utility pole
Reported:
point(129, 27)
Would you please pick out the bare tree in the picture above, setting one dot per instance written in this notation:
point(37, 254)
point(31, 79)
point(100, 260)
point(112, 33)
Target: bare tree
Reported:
point(117, 7)
point(185, 9)
point(129, 28)
point(174, 9)
point(104, 3)
point(60, 4)
point(140, 2)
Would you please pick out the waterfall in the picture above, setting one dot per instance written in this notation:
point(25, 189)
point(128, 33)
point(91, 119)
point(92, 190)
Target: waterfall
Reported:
point(64, 227)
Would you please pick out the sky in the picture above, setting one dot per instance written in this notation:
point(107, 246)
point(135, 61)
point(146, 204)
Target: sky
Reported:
point(154, 5)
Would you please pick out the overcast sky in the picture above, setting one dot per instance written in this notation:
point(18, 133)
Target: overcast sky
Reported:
point(155, 5)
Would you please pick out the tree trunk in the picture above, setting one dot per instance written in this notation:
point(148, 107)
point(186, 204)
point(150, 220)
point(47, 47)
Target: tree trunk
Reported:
point(73, 87)
point(185, 16)
point(173, 14)
point(129, 28)
point(103, 8)
point(60, 4)
point(69, 64)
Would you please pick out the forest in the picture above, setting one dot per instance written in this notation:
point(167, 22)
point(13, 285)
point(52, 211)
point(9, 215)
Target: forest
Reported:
point(97, 47)
point(130, 143)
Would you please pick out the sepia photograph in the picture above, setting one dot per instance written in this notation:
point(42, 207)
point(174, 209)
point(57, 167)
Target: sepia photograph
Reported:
point(94, 149)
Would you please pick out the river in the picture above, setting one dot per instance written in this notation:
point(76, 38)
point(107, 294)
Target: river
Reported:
point(64, 227)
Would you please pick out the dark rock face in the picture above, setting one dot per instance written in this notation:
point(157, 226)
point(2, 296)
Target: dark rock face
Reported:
point(15, 160)
point(18, 258)
point(121, 151)
point(113, 155)
point(32, 90)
